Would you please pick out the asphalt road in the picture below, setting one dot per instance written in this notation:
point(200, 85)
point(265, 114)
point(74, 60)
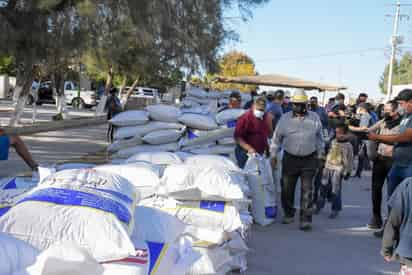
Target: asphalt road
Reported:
point(339, 247)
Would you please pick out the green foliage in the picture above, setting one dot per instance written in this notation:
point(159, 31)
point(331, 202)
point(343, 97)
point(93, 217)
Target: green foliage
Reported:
point(236, 64)
point(7, 65)
point(402, 73)
point(152, 40)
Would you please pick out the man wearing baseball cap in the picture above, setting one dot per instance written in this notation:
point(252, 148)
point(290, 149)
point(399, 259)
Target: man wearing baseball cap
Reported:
point(299, 134)
point(402, 152)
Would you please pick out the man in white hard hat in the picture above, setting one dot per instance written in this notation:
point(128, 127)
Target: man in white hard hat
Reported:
point(299, 134)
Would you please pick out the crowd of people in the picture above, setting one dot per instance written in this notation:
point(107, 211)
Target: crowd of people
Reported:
point(319, 145)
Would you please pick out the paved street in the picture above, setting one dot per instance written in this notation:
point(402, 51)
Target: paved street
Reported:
point(51, 147)
point(340, 247)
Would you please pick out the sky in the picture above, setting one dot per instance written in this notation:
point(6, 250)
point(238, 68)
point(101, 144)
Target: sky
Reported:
point(333, 41)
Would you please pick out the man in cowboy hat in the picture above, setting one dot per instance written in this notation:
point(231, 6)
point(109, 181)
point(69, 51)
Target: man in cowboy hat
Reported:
point(299, 134)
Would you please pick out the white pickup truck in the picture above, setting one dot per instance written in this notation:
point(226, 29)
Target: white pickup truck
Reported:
point(78, 98)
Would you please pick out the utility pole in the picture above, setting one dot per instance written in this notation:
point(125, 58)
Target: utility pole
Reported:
point(394, 41)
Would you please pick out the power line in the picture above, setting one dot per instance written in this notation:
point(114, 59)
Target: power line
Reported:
point(331, 54)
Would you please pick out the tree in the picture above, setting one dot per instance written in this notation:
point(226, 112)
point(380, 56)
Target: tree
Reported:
point(135, 39)
point(402, 73)
point(236, 64)
point(7, 65)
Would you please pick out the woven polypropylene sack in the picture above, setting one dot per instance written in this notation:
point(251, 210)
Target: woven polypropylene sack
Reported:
point(162, 136)
point(15, 254)
point(189, 182)
point(130, 118)
point(229, 115)
point(155, 258)
point(144, 178)
point(200, 122)
point(259, 175)
point(142, 130)
point(165, 113)
point(90, 208)
point(160, 158)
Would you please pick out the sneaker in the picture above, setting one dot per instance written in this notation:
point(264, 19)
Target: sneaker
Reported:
point(317, 210)
point(306, 226)
point(333, 215)
point(378, 234)
point(375, 224)
point(288, 220)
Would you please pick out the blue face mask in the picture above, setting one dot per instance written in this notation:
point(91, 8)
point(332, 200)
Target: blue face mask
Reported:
point(402, 111)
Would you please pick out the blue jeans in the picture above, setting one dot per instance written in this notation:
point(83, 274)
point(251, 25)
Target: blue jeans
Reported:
point(331, 190)
point(241, 156)
point(397, 175)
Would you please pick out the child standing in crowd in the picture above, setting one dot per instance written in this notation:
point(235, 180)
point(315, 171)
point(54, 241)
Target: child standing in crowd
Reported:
point(338, 166)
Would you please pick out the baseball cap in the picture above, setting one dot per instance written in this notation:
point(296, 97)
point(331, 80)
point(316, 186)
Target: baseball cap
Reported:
point(235, 95)
point(404, 95)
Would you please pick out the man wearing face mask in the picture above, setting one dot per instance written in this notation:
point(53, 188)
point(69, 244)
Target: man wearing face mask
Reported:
point(299, 134)
point(390, 125)
point(402, 151)
point(314, 107)
point(253, 130)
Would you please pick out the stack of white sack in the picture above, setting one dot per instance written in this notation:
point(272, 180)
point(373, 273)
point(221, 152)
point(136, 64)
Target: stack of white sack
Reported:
point(117, 239)
point(156, 129)
point(92, 209)
point(208, 194)
point(64, 258)
point(196, 128)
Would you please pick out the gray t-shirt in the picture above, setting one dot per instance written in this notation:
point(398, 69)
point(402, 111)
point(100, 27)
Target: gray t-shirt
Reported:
point(365, 120)
point(402, 152)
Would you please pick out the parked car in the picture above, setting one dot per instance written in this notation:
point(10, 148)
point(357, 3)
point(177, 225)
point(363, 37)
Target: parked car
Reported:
point(78, 98)
point(144, 92)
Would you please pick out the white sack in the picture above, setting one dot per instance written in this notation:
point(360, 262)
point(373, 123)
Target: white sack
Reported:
point(189, 182)
point(120, 144)
point(155, 258)
point(64, 259)
point(72, 166)
point(211, 136)
point(155, 225)
point(146, 148)
point(130, 118)
point(50, 213)
point(196, 92)
point(162, 136)
point(160, 158)
point(229, 115)
point(211, 261)
point(213, 215)
point(212, 161)
point(227, 141)
point(259, 175)
point(144, 178)
point(200, 122)
point(165, 113)
point(142, 130)
point(15, 254)
point(223, 150)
